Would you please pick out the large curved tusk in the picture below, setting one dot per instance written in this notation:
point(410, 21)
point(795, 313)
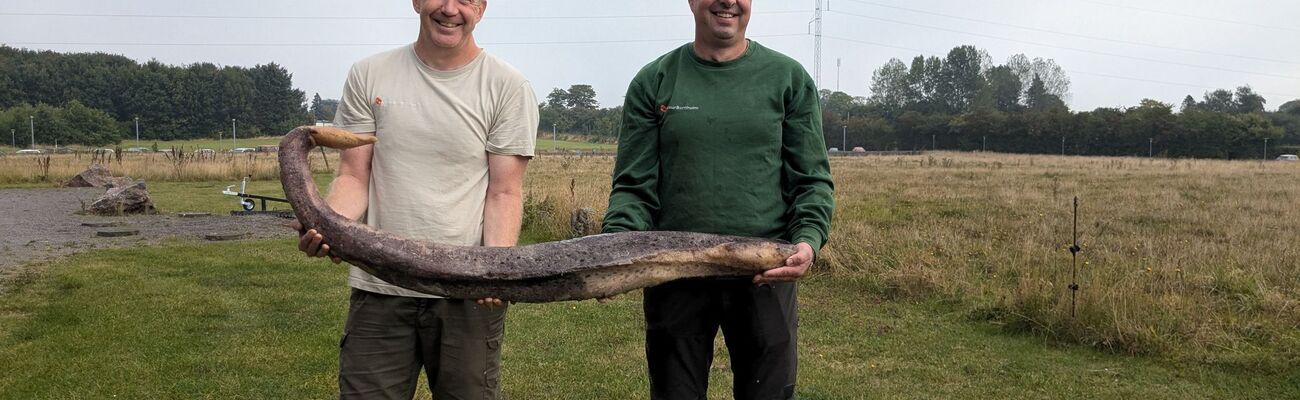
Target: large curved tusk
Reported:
point(583, 268)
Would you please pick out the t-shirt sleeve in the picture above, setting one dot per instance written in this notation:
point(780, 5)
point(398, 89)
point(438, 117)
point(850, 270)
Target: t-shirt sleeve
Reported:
point(355, 112)
point(514, 130)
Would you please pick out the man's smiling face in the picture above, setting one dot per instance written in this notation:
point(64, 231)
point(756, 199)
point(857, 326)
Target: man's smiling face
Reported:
point(722, 21)
point(448, 23)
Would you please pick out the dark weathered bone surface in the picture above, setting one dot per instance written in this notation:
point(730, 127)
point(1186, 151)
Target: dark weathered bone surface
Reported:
point(584, 268)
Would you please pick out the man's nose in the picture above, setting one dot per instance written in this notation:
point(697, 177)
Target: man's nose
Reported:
point(449, 8)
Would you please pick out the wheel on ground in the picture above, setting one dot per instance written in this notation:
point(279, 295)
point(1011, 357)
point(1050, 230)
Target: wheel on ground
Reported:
point(248, 204)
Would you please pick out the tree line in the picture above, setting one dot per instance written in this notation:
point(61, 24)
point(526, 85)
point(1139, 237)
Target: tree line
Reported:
point(172, 102)
point(966, 102)
point(575, 111)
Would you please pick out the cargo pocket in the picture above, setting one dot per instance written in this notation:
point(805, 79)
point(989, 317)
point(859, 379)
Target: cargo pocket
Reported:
point(356, 300)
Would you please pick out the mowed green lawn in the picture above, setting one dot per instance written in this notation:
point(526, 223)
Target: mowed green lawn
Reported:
point(255, 320)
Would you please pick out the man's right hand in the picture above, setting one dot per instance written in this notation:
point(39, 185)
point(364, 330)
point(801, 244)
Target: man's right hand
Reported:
point(312, 243)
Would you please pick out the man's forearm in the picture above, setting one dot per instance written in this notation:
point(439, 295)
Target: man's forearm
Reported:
point(503, 216)
point(349, 197)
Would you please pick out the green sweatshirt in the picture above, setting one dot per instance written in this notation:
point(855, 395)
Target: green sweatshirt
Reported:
point(730, 148)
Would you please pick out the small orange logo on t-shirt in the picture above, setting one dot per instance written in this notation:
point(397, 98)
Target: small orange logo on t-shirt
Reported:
point(663, 108)
point(379, 101)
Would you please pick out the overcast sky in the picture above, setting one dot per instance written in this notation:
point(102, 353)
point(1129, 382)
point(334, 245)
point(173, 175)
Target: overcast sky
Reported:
point(1116, 52)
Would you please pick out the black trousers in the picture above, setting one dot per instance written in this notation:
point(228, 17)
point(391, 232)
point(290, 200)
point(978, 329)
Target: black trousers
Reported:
point(758, 322)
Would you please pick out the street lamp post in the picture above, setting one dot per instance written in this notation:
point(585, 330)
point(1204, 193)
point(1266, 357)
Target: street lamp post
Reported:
point(555, 136)
point(31, 119)
point(1151, 147)
point(137, 131)
point(844, 138)
point(1062, 145)
point(984, 143)
point(1266, 149)
point(232, 133)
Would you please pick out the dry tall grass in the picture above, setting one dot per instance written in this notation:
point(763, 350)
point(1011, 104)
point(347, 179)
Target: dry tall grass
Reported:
point(183, 166)
point(1190, 258)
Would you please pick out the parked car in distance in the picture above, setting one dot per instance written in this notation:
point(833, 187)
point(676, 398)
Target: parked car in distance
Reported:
point(833, 149)
point(29, 151)
point(1288, 157)
point(268, 148)
point(859, 150)
point(205, 151)
point(136, 150)
point(243, 150)
point(106, 152)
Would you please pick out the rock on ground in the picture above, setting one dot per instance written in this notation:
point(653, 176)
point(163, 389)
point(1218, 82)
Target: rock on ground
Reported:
point(127, 199)
point(97, 176)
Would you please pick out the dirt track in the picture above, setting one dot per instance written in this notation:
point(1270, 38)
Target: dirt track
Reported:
point(41, 224)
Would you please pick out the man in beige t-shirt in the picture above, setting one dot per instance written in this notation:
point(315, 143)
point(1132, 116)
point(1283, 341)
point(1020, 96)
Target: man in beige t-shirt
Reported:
point(456, 128)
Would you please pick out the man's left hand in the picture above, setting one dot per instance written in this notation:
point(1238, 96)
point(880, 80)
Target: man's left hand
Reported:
point(794, 267)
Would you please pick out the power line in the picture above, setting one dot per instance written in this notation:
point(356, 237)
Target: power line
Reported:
point(369, 44)
point(1155, 11)
point(877, 44)
point(1104, 39)
point(1064, 47)
point(360, 18)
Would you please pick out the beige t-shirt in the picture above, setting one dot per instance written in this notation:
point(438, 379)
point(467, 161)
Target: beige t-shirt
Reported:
point(429, 174)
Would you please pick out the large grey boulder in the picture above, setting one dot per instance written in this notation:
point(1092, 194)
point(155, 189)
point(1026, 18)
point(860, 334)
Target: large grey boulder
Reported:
point(98, 176)
point(95, 176)
point(125, 199)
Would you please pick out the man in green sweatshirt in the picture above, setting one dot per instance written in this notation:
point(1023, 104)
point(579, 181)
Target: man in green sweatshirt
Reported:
point(723, 135)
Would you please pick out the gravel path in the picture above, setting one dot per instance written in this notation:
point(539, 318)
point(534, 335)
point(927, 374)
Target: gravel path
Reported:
point(41, 225)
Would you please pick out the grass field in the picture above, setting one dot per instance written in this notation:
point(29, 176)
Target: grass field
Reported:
point(946, 277)
point(254, 320)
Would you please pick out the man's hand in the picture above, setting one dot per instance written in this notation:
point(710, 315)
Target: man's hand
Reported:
point(490, 302)
point(794, 267)
point(312, 243)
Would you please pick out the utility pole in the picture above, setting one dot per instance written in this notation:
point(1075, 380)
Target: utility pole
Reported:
point(844, 138)
point(555, 136)
point(1062, 145)
point(1265, 149)
point(137, 131)
point(12, 141)
point(933, 146)
point(31, 119)
point(837, 74)
point(1151, 147)
point(984, 143)
point(817, 45)
point(232, 132)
